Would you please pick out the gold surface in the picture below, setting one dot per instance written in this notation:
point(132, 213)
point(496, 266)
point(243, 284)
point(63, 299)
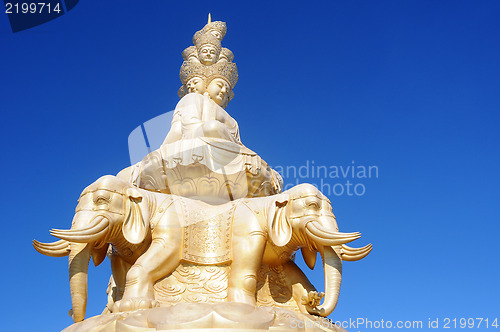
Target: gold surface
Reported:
point(199, 233)
point(202, 316)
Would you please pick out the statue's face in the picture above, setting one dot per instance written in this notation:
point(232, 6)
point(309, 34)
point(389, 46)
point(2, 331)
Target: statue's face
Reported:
point(208, 55)
point(216, 34)
point(196, 85)
point(218, 91)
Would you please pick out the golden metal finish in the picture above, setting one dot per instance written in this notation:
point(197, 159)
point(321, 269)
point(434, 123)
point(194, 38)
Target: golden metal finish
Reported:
point(199, 233)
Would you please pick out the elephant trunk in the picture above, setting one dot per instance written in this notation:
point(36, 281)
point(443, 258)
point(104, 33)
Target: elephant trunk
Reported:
point(79, 257)
point(332, 265)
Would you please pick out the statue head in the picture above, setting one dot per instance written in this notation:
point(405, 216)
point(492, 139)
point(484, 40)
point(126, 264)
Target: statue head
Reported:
point(208, 48)
point(217, 29)
point(193, 77)
point(226, 55)
point(208, 68)
point(219, 91)
point(196, 85)
point(190, 54)
point(221, 79)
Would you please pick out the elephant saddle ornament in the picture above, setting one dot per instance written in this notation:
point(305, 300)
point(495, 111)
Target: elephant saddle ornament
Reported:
point(207, 234)
point(200, 233)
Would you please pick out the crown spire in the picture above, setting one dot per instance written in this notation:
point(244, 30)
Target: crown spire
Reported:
point(209, 18)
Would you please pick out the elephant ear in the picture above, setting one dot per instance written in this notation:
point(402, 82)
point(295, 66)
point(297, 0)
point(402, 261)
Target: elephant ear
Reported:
point(134, 228)
point(280, 228)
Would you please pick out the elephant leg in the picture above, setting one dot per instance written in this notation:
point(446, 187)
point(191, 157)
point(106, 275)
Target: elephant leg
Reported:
point(161, 258)
point(303, 291)
point(119, 269)
point(247, 259)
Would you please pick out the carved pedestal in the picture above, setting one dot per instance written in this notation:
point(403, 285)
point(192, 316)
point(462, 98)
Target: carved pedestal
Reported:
point(224, 317)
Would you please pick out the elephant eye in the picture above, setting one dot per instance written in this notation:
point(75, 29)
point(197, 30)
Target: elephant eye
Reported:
point(102, 198)
point(313, 205)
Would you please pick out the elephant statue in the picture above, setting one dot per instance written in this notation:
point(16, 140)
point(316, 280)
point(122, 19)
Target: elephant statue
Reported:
point(147, 234)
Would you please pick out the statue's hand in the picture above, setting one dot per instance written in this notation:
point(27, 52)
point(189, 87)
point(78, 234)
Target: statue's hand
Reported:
point(312, 299)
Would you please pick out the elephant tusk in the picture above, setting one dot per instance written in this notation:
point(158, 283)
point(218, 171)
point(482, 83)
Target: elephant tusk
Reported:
point(327, 238)
point(98, 224)
point(96, 227)
point(53, 245)
point(355, 254)
point(348, 237)
point(81, 238)
point(319, 230)
point(55, 249)
point(350, 250)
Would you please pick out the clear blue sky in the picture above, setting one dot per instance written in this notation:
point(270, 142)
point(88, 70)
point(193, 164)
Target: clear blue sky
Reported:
point(412, 87)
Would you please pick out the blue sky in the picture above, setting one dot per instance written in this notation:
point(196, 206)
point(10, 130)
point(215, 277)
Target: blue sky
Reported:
point(409, 87)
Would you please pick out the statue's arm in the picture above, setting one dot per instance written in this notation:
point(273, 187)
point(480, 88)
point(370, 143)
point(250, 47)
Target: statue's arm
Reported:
point(175, 132)
point(230, 123)
point(235, 130)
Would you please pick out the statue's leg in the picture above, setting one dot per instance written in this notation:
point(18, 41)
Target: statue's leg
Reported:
point(161, 258)
point(119, 269)
point(247, 258)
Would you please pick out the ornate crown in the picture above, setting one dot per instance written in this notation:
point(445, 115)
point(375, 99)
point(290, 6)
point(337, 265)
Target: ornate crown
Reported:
point(226, 54)
point(205, 39)
point(190, 69)
point(225, 70)
point(189, 53)
point(216, 28)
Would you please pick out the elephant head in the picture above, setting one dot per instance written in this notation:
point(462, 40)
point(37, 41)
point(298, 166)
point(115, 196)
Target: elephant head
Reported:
point(108, 211)
point(302, 217)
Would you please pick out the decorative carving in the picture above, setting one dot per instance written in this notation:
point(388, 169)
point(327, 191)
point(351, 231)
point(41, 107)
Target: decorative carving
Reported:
point(207, 237)
point(228, 317)
point(193, 283)
point(201, 222)
point(274, 290)
point(208, 67)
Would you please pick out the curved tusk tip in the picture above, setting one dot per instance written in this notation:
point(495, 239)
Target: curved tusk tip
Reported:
point(60, 231)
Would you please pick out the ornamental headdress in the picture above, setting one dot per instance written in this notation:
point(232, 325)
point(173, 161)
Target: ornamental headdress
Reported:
point(223, 67)
point(190, 69)
point(225, 70)
point(218, 29)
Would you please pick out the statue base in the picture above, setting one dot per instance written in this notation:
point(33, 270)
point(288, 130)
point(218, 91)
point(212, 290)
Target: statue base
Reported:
point(224, 317)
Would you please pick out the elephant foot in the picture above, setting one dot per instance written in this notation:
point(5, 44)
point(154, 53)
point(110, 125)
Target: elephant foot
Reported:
point(241, 296)
point(135, 303)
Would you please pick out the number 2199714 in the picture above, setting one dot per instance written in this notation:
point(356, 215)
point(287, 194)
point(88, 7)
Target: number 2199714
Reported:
point(31, 8)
